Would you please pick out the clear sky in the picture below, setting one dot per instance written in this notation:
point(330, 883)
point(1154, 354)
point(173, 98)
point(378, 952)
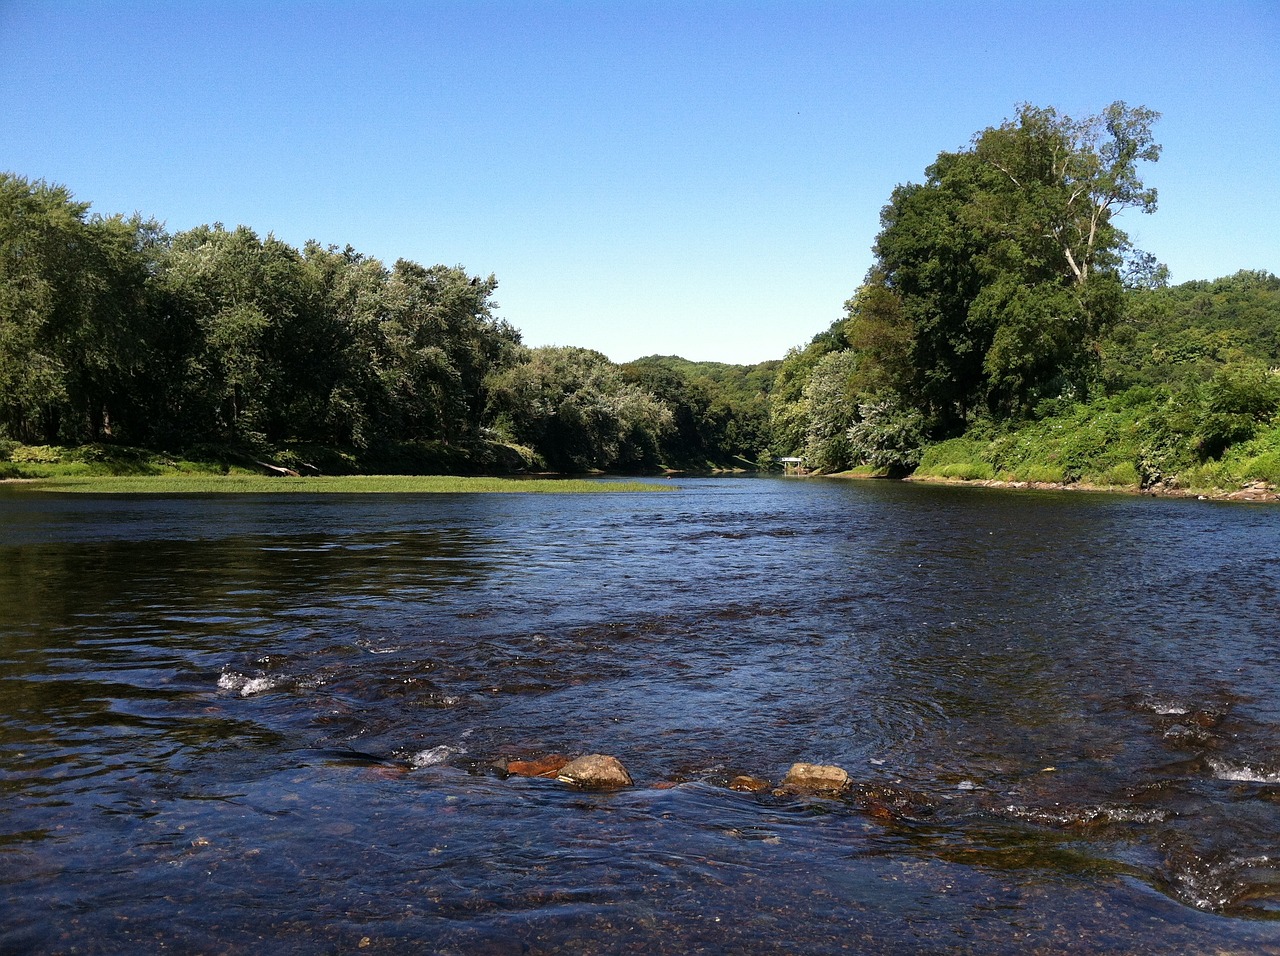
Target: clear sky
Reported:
point(699, 178)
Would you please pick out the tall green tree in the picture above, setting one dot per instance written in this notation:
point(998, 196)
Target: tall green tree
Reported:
point(240, 310)
point(441, 341)
point(73, 335)
point(1007, 262)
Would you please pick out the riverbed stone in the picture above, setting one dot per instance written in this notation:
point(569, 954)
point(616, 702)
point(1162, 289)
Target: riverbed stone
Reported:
point(595, 772)
point(815, 778)
point(745, 783)
point(547, 766)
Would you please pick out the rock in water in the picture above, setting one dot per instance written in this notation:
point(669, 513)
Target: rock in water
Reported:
point(822, 778)
point(547, 766)
point(595, 772)
point(748, 784)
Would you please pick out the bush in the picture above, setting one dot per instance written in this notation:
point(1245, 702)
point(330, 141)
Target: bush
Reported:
point(1264, 467)
point(1040, 474)
point(965, 471)
point(1123, 475)
point(1238, 400)
point(887, 435)
point(951, 452)
point(36, 454)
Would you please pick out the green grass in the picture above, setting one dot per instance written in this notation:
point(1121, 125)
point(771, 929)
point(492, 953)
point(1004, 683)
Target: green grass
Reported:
point(347, 484)
point(1126, 441)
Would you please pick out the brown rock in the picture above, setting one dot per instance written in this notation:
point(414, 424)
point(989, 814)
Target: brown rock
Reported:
point(1208, 719)
point(822, 778)
point(748, 784)
point(595, 772)
point(547, 766)
point(890, 803)
point(880, 811)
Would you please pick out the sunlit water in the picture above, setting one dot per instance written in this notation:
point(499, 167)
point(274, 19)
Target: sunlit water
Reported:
point(230, 723)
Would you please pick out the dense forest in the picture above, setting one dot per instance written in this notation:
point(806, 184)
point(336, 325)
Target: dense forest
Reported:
point(114, 332)
point(1007, 329)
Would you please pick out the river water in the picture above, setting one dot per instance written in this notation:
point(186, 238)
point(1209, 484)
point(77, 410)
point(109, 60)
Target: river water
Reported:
point(230, 722)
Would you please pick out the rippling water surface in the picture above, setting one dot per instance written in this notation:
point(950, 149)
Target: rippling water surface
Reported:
point(230, 722)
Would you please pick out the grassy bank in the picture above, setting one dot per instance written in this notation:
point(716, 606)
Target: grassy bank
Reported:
point(401, 458)
point(1130, 442)
point(113, 469)
point(344, 484)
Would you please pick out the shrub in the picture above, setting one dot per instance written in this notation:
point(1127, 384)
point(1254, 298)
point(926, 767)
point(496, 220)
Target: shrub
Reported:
point(965, 471)
point(1040, 474)
point(1237, 401)
point(1124, 474)
point(36, 454)
point(887, 435)
point(954, 451)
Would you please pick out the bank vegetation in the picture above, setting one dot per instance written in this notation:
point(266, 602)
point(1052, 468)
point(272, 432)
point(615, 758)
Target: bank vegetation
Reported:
point(1008, 330)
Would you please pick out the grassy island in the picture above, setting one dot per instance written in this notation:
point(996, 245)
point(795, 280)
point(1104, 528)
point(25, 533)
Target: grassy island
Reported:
point(188, 484)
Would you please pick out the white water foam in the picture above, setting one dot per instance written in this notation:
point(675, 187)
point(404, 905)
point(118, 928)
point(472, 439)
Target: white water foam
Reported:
point(245, 686)
point(1242, 772)
point(434, 756)
point(1165, 708)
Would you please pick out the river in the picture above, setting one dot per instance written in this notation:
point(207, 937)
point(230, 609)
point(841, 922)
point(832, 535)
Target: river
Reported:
point(246, 721)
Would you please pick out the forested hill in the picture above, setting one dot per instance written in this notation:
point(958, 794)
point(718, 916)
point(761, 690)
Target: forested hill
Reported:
point(1007, 329)
point(114, 331)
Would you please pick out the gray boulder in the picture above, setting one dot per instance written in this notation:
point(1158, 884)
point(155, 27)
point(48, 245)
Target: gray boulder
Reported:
point(595, 772)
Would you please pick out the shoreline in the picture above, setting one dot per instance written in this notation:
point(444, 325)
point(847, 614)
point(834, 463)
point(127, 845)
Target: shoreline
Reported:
point(1257, 492)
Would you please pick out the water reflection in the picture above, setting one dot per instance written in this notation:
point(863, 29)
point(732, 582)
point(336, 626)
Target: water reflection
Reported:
point(1059, 712)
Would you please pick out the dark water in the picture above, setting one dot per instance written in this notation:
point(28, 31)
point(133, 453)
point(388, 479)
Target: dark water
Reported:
point(230, 723)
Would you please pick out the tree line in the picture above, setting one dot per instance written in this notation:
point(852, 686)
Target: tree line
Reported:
point(114, 330)
point(1004, 303)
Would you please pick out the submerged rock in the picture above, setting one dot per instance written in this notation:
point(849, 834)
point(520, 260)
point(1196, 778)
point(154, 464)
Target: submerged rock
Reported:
point(892, 803)
point(595, 772)
point(745, 783)
point(815, 778)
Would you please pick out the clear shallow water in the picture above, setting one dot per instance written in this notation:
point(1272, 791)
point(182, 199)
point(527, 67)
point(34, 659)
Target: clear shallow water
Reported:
point(230, 722)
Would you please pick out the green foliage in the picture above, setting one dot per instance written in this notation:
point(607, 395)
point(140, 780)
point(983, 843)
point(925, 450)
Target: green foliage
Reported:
point(1187, 332)
point(186, 484)
point(995, 284)
point(830, 411)
point(112, 331)
point(1237, 401)
point(576, 410)
point(1006, 264)
point(887, 435)
point(36, 454)
point(73, 326)
point(958, 458)
point(718, 412)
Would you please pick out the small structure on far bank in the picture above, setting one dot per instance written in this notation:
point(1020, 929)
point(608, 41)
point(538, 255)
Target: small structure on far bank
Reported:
point(794, 466)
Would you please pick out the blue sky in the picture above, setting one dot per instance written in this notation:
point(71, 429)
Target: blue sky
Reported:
point(696, 178)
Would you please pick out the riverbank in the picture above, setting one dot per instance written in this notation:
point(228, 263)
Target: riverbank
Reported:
point(1255, 492)
point(344, 484)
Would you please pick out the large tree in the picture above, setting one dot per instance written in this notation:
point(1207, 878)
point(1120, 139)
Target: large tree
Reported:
point(74, 330)
point(1006, 264)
